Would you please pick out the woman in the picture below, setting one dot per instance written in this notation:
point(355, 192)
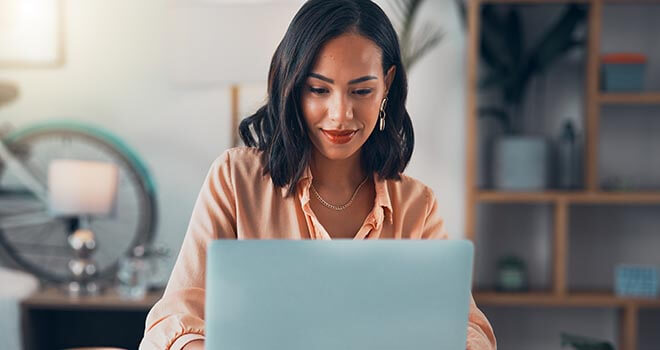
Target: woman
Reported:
point(324, 160)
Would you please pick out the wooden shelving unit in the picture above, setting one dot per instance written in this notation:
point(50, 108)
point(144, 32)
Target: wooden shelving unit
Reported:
point(576, 299)
point(570, 197)
point(559, 295)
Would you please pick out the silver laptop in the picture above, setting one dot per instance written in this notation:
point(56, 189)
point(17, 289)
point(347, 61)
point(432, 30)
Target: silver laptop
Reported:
point(338, 295)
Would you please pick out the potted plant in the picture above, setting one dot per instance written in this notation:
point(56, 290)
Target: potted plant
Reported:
point(520, 160)
point(414, 44)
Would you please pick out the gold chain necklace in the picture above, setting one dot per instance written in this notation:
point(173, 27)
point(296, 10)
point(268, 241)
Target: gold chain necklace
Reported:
point(343, 206)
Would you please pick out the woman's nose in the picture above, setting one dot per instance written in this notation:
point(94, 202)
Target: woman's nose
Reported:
point(340, 108)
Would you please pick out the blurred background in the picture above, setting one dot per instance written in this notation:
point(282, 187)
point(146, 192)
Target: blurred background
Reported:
point(535, 121)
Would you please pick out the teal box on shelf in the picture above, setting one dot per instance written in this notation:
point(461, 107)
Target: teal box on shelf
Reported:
point(623, 72)
point(636, 281)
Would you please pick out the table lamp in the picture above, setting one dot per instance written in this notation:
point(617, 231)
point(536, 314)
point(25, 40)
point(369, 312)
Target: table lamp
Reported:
point(80, 190)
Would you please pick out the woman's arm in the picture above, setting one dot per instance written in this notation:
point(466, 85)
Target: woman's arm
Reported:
point(177, 319)
point(480, 334)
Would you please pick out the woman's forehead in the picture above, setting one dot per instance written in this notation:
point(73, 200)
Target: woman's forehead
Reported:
point(347, 56)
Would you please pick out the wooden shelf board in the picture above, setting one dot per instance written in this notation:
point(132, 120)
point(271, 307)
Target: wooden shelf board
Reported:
point(575, 299)
point(616, 198)
point(518, 197)
point(570, 197)
point(632, 2)
point(550, 2)
point(630, 98)
point(54, 298)
point(536, 2)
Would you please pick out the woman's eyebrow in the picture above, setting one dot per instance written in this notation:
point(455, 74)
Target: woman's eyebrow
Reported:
point(354, 81)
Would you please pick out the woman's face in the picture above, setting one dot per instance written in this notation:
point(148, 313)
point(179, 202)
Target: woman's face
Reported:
point(341, 97)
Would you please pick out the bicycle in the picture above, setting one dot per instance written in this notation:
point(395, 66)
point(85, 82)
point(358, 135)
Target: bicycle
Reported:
point(36, 240)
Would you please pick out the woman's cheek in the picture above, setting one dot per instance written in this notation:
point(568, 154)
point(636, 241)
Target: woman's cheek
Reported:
point(313, 111)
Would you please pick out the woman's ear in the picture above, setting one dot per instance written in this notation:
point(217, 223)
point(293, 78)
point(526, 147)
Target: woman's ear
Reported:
point(389, 77)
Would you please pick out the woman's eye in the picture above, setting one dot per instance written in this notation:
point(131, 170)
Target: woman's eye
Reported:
point(363, 92)
point(318, 91)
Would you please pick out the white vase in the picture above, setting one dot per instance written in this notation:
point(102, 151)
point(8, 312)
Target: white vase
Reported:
point(521, 163)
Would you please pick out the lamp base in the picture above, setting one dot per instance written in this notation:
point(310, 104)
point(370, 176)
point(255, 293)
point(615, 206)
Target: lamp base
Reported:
point(76, 288)
point(84, 270)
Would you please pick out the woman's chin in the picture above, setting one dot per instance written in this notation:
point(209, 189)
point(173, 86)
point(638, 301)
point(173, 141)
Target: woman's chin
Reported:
point(334, 152)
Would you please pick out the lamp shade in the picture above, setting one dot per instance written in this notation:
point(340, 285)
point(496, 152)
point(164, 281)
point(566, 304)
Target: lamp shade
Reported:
point(78, 187)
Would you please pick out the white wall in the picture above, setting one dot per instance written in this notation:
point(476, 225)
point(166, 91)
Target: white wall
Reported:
point(118, 76)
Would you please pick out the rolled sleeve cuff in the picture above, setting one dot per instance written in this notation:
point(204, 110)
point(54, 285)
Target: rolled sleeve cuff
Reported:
point(183, 340)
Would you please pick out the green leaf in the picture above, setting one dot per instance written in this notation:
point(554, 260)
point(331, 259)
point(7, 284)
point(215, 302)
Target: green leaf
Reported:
point(413, 47)
point(494, 39)
point(515, 36)
point(428, 38)
point(556, 42)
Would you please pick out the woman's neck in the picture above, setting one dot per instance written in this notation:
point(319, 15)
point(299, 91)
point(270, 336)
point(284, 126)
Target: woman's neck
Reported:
point(337, 175)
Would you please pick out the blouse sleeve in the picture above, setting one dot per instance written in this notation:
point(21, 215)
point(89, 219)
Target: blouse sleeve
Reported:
point(480, 334)
point(178, 317)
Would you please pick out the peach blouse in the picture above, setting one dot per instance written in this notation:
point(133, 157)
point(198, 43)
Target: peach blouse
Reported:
point(238, 202)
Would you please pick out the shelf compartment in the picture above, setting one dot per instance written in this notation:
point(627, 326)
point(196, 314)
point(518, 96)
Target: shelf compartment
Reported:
point(602, 237)
point(521, 230)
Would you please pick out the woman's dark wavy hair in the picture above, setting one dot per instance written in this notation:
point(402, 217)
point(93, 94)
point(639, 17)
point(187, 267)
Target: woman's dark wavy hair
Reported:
point(279, 129)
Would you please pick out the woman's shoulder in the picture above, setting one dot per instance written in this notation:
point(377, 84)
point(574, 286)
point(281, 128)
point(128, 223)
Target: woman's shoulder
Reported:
point(241, 162)
point(237, 156)
point(409, 188)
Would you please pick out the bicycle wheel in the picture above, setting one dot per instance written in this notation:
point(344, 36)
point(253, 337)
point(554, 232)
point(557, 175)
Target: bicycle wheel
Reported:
point(37, 241)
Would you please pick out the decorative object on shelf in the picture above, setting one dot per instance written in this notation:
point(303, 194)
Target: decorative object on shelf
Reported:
point(136, 271)
point(623, 72)
point(133, 274)
point(511, 274)
point(639, 281)
point(520, 163)
point(82, 190)
point(568, 157)
point(413, 46)
point(578, 342)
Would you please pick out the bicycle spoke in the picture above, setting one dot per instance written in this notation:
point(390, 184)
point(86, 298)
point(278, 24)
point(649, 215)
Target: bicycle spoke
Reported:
point(24, 220)
point(43, 250)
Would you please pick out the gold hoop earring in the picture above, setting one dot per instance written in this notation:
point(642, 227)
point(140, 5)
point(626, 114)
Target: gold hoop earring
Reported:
point(381, 115)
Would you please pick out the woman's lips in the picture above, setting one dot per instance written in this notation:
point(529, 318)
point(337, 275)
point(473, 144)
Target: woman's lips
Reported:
point(339, 136)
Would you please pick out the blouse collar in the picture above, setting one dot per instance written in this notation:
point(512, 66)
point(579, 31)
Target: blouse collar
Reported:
point(382, 193)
